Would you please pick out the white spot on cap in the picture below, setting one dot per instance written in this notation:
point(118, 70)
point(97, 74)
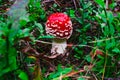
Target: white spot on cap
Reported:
point(48, 25)
point(66, 33)
point(66, 30)
point(58, 33)
point(52, 31)
point(60, 22)
point(61, 34)
point(65, 24)
point(54, 25)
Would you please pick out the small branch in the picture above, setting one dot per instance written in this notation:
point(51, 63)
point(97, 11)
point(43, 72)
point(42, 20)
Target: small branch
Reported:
point(107, 5)
point(57, 3)
point(75, 4)
point(104, 66)
point(94, 76)
point(69, 45)
point(79, 44)
point(46, 1)
point(103, 39)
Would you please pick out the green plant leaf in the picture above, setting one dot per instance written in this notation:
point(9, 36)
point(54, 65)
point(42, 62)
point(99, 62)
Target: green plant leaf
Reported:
point(81, 78)
point(4, 71)
point(112, 5)
point(23, 20)
point(40, 27)
point(60, 72)
point(112, 30)
point(88, 58)
point(100, 2)
point(116, 50)
point(23, 75)
point(106, 31)
point(110, 16)
point(72, 15)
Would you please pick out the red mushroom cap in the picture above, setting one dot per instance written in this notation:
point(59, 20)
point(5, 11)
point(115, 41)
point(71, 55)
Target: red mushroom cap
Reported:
point(59, 25)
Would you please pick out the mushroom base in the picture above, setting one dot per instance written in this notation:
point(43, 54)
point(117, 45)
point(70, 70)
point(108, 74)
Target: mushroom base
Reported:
point(59, 46)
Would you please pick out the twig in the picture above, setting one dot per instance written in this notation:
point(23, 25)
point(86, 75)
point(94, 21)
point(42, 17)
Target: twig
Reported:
point(94, 76)
point(40, 41)
point(103, 39)
point(46, 1)
point(57, 3)
point(68, 44)
point(104, 66)
point(75, 4)
point(107, 4)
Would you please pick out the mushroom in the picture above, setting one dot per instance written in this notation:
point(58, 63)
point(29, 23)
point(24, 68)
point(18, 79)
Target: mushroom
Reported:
point(59, 25)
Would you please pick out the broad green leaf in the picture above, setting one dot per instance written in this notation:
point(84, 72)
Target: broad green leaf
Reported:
point(110, 16)
point(72, 13)
point(88, 5)
point(100, 63)
point(23, 75)
point(12, 62)
point(113, 41)
point(100, 57)
point(88, 58)
point(100, 2)
point(113, 5)
point(23, 20)
point(78, 50)
point(103, 16)
point(40, 27)
point(4, 71)
point(37, 5)
point(55, 5)
point(23, 33)
point(112, 30)
point(81, 78)
point(116, 50)
point(106, 31)
point(60, 72)
point(79, 20)
point(87, 26)
point(108, 46)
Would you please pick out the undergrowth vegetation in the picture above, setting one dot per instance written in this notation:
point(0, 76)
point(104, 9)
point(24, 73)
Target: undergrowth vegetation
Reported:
point(93, 51)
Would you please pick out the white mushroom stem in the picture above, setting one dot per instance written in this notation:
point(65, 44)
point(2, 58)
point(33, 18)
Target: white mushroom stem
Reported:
point(59, 46)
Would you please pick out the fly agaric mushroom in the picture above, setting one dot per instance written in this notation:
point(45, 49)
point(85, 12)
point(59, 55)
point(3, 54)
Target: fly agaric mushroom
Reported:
point(59, 25)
